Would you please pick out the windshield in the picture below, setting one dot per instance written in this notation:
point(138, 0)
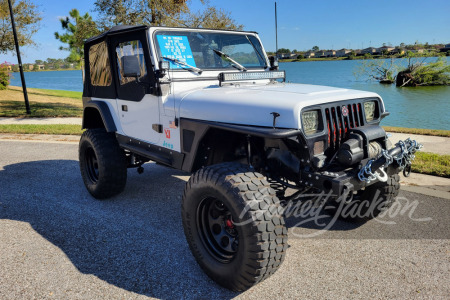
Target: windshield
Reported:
point(202, 50)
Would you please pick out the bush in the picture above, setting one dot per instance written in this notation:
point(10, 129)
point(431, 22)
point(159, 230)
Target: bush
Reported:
point(4, 76)
point(379, 70)
point(435, 73)
point(421, 74)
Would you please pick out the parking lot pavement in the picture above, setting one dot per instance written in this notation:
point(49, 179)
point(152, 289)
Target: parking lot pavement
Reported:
point(57, 242)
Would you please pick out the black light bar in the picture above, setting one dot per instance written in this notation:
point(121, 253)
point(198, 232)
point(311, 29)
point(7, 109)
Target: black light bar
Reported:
point(240, 76)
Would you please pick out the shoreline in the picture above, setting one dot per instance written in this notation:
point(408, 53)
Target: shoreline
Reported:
point(59, 70)
point(346, 58)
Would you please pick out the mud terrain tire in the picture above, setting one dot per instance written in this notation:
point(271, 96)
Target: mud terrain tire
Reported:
point(234, 225)
point(102, 163)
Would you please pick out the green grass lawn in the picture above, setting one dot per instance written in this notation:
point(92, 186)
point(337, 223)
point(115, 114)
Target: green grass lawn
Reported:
point(39, 109)
point(43, 103)
point(434, 132)
point(56, 93)
point(44, 92)
point(42, 129)
point(432, 164)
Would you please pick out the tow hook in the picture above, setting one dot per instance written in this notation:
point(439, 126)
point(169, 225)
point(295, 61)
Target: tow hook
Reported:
point(403, 154)
point(407, 171)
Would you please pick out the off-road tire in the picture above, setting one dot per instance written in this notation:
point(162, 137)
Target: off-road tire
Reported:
point(383, 193)
point(103, 163)
point(262, 237)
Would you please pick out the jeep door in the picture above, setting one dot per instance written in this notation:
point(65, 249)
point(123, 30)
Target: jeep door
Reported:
point(137, 106)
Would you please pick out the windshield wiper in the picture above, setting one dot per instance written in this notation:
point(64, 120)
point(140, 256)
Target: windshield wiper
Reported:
point(228, 58)
point(183, 64)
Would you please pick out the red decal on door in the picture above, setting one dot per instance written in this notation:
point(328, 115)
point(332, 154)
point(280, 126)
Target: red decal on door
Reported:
point(167, 132)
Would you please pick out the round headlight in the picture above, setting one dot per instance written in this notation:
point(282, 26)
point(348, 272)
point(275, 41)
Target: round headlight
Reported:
point(310, 122)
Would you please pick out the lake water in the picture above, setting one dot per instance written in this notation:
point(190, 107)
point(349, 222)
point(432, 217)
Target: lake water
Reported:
point(421, 107)
point(51, 80)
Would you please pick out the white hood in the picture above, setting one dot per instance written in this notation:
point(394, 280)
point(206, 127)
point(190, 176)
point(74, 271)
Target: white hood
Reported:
point(251, 104)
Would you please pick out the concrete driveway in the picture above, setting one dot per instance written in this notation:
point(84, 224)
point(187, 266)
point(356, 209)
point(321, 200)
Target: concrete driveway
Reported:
point(57, 242)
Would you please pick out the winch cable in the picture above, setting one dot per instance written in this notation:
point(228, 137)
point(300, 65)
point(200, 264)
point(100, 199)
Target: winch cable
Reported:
point(403, 154)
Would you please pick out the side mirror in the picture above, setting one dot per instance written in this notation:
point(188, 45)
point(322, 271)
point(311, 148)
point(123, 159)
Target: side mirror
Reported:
point(163, 68)
point(131, 67)
point(273, 63)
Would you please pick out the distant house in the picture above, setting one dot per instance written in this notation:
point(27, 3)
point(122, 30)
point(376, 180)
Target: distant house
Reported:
point(383, 49)
point(330, 53)
point(31, 67)
point(342, 52)
point(370, 50)
point(283, 55)
point(309, 54)
point(397, 50)
point(446, 48)
point(319, 53)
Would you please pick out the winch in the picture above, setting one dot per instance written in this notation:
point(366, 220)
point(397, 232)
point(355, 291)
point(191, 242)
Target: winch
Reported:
point(402, 154)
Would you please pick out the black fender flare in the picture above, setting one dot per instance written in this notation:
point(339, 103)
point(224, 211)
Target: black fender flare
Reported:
point(265, 132)
point(192, 132)
point(104, 112)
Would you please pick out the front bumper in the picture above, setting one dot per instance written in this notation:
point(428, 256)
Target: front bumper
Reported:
point(368, 172)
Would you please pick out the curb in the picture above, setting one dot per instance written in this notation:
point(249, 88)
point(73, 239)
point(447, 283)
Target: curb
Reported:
point(40, 121)
point(426, 185)
point(41, 138)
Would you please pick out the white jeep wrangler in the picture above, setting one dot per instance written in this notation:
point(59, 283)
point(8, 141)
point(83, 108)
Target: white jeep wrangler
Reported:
point(210, 102)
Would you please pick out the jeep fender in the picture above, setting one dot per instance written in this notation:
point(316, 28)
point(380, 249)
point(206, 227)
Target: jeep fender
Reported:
point(193, 133)
point(97, 114)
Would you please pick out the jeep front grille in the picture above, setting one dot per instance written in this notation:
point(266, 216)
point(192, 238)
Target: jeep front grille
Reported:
point(339, 125)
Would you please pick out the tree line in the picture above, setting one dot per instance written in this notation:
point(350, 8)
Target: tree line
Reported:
point(48, 64)
point(78, 26)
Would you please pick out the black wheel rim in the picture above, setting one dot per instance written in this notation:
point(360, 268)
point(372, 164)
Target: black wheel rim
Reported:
point(216, 229)
point(91, 165)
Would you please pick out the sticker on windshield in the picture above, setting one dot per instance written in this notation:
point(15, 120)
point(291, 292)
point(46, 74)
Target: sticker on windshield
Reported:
point(176, 47)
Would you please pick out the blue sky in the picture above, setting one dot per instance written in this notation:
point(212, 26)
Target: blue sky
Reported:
point(301, 24)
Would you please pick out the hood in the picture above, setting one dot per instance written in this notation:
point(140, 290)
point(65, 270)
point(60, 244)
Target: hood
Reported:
point(253, 104)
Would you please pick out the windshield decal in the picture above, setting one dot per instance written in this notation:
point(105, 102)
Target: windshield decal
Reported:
point(176, 47)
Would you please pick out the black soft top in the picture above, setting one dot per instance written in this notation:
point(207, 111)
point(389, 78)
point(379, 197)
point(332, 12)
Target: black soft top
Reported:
point(129, 28)
point(115, 30)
